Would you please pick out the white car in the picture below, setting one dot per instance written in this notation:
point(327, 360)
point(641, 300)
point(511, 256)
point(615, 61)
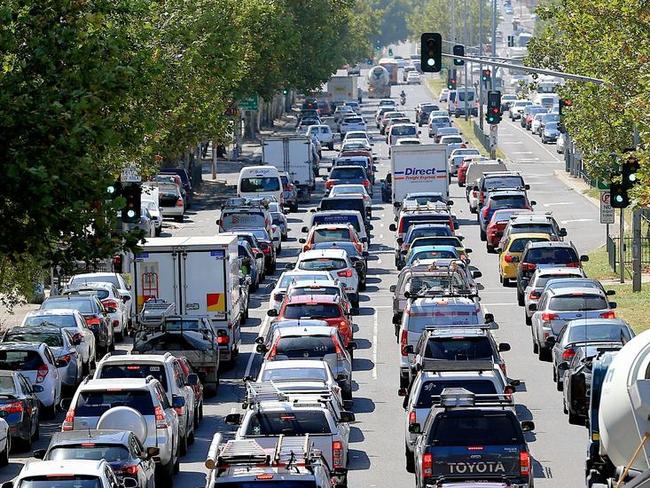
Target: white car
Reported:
point(37, 363)
point(560, 143)
point(399, 131)
point(72, 321)
point(276, 297)
point(116, 305)
point(115, 278)
point(171, 201)
point(413, 78)
point(343, 191)
point(355, 123)
point(355, 135)
point(517, 108)
point(155, 215)
point(444, 95)
point(303, 374)
point(339, 266)
point(457, 157)
point(71, 473)
point(323, 133)
point(276, 236)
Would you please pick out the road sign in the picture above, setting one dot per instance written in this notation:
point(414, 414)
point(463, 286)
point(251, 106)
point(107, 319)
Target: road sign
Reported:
point(130, 174)
point(494, 139)
point(602, 185)
point(249, 103)
point(606, 209)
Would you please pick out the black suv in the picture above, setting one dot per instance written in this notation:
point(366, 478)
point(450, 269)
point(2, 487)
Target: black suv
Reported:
point(547, 253)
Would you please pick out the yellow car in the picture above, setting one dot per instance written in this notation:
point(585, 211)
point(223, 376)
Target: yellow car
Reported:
point(509, 256)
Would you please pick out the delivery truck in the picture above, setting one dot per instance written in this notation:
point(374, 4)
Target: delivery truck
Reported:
point(200, 276)
point(293, 154)
point(342, 88)
point(419, 168)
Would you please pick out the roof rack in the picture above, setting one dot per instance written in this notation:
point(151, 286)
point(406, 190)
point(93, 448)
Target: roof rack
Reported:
point(451, 365)
point(462, 398)
point(268, 391)
point(484, 326)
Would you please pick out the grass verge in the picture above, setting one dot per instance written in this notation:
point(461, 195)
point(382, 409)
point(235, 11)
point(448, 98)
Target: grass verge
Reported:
point(598, 265)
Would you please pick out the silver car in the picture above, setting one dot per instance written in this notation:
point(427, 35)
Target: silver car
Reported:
point(538, 281)
point(557, 307)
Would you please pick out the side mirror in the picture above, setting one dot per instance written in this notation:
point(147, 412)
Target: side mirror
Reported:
point(233, 418)
point(551, 341)
point(610, 293)
point(192, 379)
point(532, 307)
point(563, 232)
point(153, 452)
point(272, 312)
point(397, 204)
point(498, 250)
point(468, 250)
point(365, 254)
point(341, 377)
point(218, 221)
point(515, 382)
point(504, 347)
point(584, 258)
point(111, 309)
point(476, 274)
point(475, 188)
point(259, 255)
point(392, 288)
point(392, 227)
point(276, 239)
point(563, 366)
point(347, 416)
point(259, 340)
point(408, 349)
point(528, 425)
point(613, 305)
point(415, 429)
point(302, 240)
point(38, 454)
point(450, 203)
point(489, 318)
point(407, 294)
point(400, 241)
point(304, 229)
point(533, 203)
point(178, 401)
point(527, 187)
point(126, 298)
point(76, 341)
point(401, 392)
point(40, 389)
point(261, 349)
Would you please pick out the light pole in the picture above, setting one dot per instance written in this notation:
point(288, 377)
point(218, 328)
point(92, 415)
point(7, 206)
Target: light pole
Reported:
point(494, 39)
point(480, 53)
point(465, 64)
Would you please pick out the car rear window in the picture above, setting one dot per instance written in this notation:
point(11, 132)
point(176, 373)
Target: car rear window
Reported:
point(510, 201)
point(532, 228)
point(95, 403)
point(518, 245)
point(316, 311)
point(437, 230)
point(409, 220)
point(7, 386)
point(330, 235)
point(353, 120)
point(345, 173)
point(60, 321)
point(461, 348)
point(599, 332)
point(542, 280)
point(110, 371)
point(431, 390)
point(437, 241)
point(337, 219)
point(343, 204)
point(286, 279)
point(420, 320)
point(451, 140)
point(83, 306)
point(551, 255)
point(434, 254)
point(465, 428)
point(322, 264)
point(294, 374)
point(63, 481)
point(504, 182)
point(577, 302)
point(424, 199)
point(17, 360)
point(89, 451)
point(288, 423)
point(108, 278)
point(52, 340)
point(316, 290)
point(306, 347)
point(403, 130)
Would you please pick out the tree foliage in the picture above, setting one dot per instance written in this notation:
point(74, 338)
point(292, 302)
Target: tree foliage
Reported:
point(610, 40)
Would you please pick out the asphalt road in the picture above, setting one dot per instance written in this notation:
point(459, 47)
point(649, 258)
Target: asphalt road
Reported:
point(377, 440)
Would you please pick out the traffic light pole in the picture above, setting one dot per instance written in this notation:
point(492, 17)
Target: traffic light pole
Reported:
point(621, 245)
point(636, 250)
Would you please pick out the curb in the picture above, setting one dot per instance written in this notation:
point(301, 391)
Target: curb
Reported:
point(575, 184)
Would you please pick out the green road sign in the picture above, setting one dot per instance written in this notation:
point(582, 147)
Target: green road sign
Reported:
point(602, 185)
point(249, 103)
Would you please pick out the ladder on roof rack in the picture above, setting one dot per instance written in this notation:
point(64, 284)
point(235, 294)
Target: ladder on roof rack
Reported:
point(242, 451)
point(263, 391)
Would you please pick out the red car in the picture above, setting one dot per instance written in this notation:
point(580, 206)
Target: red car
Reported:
point(332, 233)
point(498, 223)
point(319, 307)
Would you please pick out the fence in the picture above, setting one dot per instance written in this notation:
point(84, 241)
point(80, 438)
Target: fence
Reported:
point(483, 138)
point(613, 243)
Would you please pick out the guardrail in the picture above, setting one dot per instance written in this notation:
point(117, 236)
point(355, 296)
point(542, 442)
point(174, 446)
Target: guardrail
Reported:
point(483, 138)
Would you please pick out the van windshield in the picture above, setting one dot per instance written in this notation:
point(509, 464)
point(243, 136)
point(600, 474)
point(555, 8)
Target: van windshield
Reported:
point(468, 95)
point(259, 185)
point(403, 130)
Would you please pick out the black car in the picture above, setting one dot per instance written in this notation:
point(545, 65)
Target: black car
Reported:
point(19, 406)
point(547, 253)
point(346, 203)
point(351, 175)
point(265, 243)
point(387, 189)
point(121, 449)
point(185, 180)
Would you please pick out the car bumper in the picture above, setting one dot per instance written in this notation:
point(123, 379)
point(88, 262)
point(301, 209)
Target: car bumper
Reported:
point(509, 271)
point(172, 211)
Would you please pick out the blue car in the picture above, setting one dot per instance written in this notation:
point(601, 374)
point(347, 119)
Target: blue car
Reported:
point(431, 252)
point(19, 406)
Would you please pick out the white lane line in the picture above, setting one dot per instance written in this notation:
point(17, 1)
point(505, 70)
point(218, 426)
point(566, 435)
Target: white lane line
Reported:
point(557, 203)
point(512, 143)
point(250, 364)
point(499, 304)
point(537, 143)
point(522, 152)
point(577, 220)
point(375, 345)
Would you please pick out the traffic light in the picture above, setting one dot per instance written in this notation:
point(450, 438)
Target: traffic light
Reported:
point(459, 50)
point(618, 197)
point(431, 52)
point(486, 74)
point(493, 115)
point(630, 175)
point(131, 211)
point(451, 79)
point(114, 190)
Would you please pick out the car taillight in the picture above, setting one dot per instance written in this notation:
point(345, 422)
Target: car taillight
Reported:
point(116, 323)
point(256, 250)
point(92, 320)
point(507, 258)
point(508, 391)
point(568, 354)
point(546, 317)
point(65, 359)
point(524, 463)
point(427, 465)
point(503, 369)
point(78, 337)
point(346, 273)
point(404, 342)
point(574, 264)
point(528, 266)
point(484, 212)
point(329, 184)
point(223, 340)
point(161, 421)
point(534, 295)
point(14, 407)
point(412, 417)
point(128, 471)
point(41, 373)
point(179, 202)
point(608, 315)
point(266, 249)
point(337, 454)
point(366, 183)
point(110, 303)
point(68, 422)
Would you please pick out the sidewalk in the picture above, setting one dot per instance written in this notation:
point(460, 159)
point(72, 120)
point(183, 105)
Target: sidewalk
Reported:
point(8, 319)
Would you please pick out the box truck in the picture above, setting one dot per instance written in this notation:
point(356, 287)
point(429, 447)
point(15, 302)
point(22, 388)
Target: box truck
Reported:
point(200, 276)
point(293, 154)
point(419, 168)
point(342, 88)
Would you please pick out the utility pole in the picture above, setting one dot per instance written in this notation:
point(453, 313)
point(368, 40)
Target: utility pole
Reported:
point(494, 39)
point(621, 245)
point(467, 44)
point(636, 250)
point(480, 54)
point(453, 20)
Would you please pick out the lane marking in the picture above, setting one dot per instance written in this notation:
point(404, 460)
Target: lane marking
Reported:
point(498, 304)
point(375, 344)
point(577, 220)
point(557, 203)
point(522, 152)
point(537, 143)
point(250, 364)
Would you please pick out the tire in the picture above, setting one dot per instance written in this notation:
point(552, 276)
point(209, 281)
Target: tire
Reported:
point(201, 412)
point(49, 412)
point(544, 353)
point(505, 281)
point(362, 285)
point(483, 235)
point(22, 445)
point(178, 219)
point(279, 251)
point(535, 347)
point(527, 319)
point(559, 385)
point(489, 249)
point(119, 336)
point(403, 380)
point(410, 460)
point(331, 146)
point(294, 208)
point(346, 393)
point(37, 432)
point(575, 419)
point(4, 456)
point(520, 298)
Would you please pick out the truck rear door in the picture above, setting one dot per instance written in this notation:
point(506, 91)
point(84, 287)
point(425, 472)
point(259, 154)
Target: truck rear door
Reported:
point(299, 156)
point(156, 275)
point(204, 283)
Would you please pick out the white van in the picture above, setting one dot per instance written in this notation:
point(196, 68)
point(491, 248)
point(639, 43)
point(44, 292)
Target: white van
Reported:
point(260, 181)
point(457, 102)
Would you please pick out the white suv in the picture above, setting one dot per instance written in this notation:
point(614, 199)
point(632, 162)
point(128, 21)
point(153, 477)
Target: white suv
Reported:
point(116, 304)
point(147, 396)
point(166, 369)
point(72, 473)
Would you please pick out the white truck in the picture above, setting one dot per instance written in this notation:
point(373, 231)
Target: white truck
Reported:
point(200, 275)
point(419, 168)
point(378, 82)
point(293, 154)
point(342, 88)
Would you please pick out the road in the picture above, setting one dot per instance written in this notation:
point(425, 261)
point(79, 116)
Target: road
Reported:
point(377, 449)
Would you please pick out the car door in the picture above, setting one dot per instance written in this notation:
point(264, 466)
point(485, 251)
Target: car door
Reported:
point(558, 347)
point(187, 392)
point(49, 357)
point(31, 402)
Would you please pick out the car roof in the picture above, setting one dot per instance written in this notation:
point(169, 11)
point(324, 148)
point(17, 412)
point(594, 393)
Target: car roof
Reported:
point(506, 193)
point(95, 275)
point(525, 218)
point(549, 244)
point(320, 253)
point(587, 322)
point(573, 290)
point(457, 332)
point(527, 235)
point(26, 346)
point(103, 436)
point(76, 467)
point(51, 311)
point(136, 358)
point(442, 301)
point(577, 272)
point(316, 299)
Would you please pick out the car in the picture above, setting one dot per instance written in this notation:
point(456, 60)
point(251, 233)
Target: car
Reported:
point(457, 156)
point(69, 474)
point(323, 133)
point(423, 393)
point(171, 202)
point(306, 123)
point(557, 307)
point(197, 388)
point(418, 231)
point(358, 258)
point(536, 122)
point(528, 115)
point(413, 78)
point(427, 252)
point(352, 123)
point(62, 345)
point(356, 189)
point(352, 217)
point(354, 135)
point(517, 108)
point(436, 241)
point(495, 227)
point(414, 200)
point(400, 131)
point(155, 214)
point(510, 255)
point(266, 245)
point(280, 221)
point(540, 278)
point(526, 222)
point(507, 101)
point(357, 158)
point(496, 200)
point(73, 322)
point(348, 175)
point(167, 370)
point(545, 253)
point(586, 332)
point(445, 131)
point(386, 117)
point(256, 247)
point(185, 181)
point(333, 233)
point(101, 277)
point(36, 362)
point(444, 95)
point(452, 141)
point(19, 408)
point(551, 117)
point(498, 181)
point(94, 313)
point(422, 112)
point(431, 213)
point(550, 132)
point(342, 111)
point(303, 374)
point(349, 203)
point(557, 283)
point(437, 122)
point(461, 176)
point(406, 71)
point(379, 114)
point(277, 295)
point(144, 395)
point(122, 450)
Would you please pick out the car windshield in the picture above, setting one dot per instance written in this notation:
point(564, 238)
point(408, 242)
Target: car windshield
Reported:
point(310, 347)
point(459, 348)
point(451, 140)
point(518, 245)
point(176, 324)
point(466, 95)
point(504, 182)
point(571, 283)
point(95, 403)
point(434, 254)
point(264, 184)
point(63, 481)
point(532, 228)
point(83, 306)
point(52, 340)
point(322, 264)
point(315, 311)
point(437, 241)
point(339, 173)
point(17, 360)
point(131, 370)
point(551, 126)
point(409, 220)
point(329, 235)
point(481, 428)
point(431, 390)
point(577, 302)
point(288, 423)
point(89, 451)
point(348, 189)
point(551, 255)
point(294, 374)
point(598, 332)
point(59, 321)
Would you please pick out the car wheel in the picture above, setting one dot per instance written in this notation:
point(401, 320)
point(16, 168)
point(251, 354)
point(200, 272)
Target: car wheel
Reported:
point(191, 438)
point(4, 456)
point(520, 298)
point(37, 431)
point(544, 353)
point(529, 320)
point(410, 460)
point(483, 235)
point(489, 249)
point(119, 337)
point(403, 380)
point(559, 385)
point(535, 346)
point(575, 419)
point(179, 218)
point(49, 412)
point(22, 445)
